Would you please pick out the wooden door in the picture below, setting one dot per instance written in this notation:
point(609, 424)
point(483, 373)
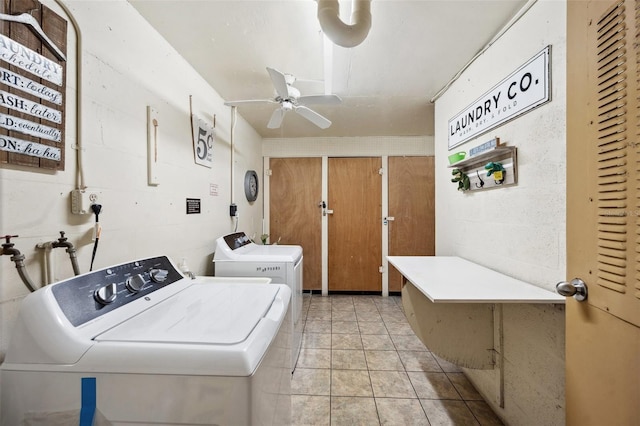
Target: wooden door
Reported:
point(412, 207)
point(295, 189)
point(603, 205)
point(355, 227)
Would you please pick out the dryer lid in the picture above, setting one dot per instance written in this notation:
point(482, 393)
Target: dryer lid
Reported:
point(210, 314)
point(251, 252)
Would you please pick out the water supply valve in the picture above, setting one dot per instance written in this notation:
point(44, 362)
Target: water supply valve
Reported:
point(7, 247)
point(7, 239)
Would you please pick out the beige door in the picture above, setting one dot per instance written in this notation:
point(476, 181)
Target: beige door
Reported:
point(355, 227)
point(295, 189)
point(412, 207)
point(603, 213)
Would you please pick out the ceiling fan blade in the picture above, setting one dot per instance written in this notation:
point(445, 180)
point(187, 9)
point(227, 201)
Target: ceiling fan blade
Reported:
point(276, 118)
point(279, 82)
point(249, 101)
point(313, 116)
point(319, 100)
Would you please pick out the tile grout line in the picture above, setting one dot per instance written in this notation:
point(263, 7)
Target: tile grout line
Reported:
point(379, 310)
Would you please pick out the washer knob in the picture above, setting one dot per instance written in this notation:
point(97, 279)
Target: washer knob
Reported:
point(158, 275)
point(105, 295)
point(135, 283)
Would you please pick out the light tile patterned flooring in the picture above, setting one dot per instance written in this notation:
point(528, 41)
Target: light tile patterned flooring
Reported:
point(361, 364)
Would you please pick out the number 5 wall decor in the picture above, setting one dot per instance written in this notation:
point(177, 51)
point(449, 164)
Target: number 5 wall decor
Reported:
point(203, 137)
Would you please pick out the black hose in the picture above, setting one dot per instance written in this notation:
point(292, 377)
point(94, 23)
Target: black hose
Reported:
point(96, 209)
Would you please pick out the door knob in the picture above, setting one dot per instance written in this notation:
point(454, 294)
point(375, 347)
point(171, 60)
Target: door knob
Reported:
point(576, 288)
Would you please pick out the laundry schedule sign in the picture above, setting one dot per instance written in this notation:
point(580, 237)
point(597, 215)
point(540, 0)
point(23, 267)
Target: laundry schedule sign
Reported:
point(523, 90)
point(32, 85)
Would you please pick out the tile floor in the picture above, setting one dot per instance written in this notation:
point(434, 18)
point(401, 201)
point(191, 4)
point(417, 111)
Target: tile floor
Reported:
point(361, 364)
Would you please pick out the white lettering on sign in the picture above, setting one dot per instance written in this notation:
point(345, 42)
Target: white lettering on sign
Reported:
point(523, 90)
point(32, 149)
point(27, 85)
point(22, 57)
point(30, 128)
point(26, 106)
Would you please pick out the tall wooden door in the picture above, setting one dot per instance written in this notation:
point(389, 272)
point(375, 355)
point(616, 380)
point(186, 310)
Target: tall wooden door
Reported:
point(355, 227)
point(412, 207)
point(603, 211)
point(295, 189)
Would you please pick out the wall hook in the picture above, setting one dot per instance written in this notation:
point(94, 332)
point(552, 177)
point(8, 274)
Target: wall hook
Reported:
point(30, 21)
point(481, 183)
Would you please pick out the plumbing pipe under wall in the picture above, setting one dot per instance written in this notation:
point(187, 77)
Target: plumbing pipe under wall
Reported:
point(48, 258)
point(18, 259)
point(49, 270)
point(231, 141)
point(342, 34)
point(22, 271)
point(80, 184)
point(74, 260)
point(62, 242)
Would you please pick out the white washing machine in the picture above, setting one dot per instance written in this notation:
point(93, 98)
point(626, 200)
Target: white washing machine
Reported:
point(237, 256)
point(138, 343)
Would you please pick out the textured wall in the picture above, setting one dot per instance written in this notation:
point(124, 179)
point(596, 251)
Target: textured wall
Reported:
point(127, 66)
point(520, 230)
point(349, 146)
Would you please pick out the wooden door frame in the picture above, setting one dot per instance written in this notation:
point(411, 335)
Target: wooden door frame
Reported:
point(324, 222)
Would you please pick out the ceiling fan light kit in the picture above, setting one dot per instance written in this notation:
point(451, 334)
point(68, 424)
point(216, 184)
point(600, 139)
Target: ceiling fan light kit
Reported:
point(289, 99)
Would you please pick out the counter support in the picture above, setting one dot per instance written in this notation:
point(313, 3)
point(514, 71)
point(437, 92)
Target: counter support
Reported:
point(461, 333)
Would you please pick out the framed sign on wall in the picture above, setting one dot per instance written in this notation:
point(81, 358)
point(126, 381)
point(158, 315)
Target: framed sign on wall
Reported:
point(523, 90)
point(33, 43)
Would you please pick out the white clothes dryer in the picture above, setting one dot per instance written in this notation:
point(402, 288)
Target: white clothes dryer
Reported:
point(138, 343)
point(237, 256)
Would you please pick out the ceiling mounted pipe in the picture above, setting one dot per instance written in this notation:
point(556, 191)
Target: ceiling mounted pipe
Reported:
point(342, 34)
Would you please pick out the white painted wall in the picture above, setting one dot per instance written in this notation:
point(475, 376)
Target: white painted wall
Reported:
point(127, 66)
point(519, 231)
point(349, 146)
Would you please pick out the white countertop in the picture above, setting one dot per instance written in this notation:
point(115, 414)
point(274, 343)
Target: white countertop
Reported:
point(446, 279)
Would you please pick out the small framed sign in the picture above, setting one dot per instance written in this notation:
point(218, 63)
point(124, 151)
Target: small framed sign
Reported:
point(203, 138)
point(193, 205)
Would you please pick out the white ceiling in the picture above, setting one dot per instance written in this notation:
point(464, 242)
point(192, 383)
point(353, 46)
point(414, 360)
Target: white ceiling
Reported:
point(413, 49)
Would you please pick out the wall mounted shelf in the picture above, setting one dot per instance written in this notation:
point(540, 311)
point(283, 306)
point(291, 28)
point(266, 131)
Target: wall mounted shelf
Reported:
point(449, 303)
point(473, 167)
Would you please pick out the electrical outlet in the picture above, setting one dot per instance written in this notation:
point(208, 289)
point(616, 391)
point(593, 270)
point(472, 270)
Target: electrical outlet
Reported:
point(81, 201)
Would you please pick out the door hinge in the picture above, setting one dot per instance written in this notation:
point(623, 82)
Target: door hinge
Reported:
point(268, 172)
point(381, 171)
point(381, 269)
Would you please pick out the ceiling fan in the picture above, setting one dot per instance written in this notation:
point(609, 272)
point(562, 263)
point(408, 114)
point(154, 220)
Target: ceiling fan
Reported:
point(290, 100)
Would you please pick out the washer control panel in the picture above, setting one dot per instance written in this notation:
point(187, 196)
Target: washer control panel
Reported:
point(90, 295)
point(237, 240)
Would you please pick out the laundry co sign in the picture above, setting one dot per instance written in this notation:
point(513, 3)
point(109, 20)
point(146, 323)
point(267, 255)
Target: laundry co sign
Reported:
point(525, 89)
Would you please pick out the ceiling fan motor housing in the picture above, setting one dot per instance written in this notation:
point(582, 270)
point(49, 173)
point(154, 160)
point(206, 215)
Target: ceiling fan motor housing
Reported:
point(293, 92)
point(290, 100)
